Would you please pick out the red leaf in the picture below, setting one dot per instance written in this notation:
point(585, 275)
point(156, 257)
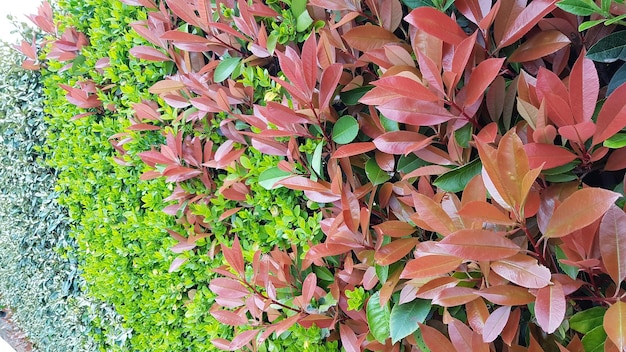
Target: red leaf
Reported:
point(542, 44)
point(549, 155)
point(583, 88)
point(455, 296)
point(512, 326)
point(148, 53)
point(481, 78)
point(395, 228)
point(234, 257)
point(415, 112)
point(612, 116)
point(507, 295)
point(242, 339)
point(302, 184)
point(349, 340)
point(324, 250)
point(368, 38)
point(401, 142)
point(437, 24)
point(229, 318)
point(428, 266)
point(430, 216)
point(328, 83)
point(571, 216)
point(525, 20)
point(495, 323)
point(435, 340)
point(550, 307)
point(353, 149)
point(166, 86)
point(406, 87)
point(617, 160)
point(485, 212)
point(615, 324)
point(395, 251)
point(612, 238)
point(523, 271)
point(479, 245)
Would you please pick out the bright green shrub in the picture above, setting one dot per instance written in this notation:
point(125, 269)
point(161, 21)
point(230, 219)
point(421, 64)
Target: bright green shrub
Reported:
point(39, 274)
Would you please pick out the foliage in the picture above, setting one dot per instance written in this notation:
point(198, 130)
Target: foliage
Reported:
point(39, 275)
point(450, 152)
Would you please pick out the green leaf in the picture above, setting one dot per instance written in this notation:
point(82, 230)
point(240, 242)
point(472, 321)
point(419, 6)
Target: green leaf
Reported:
point(587, 320)
point(418, 3)
point(609, 49)
point(463, 135)
point(404, 318)
point(594, 340)
point(389, 125)
point(269, 177)
point(345, 129)
point(225, 68)
point(579, 7)
point(374, 173)
point(303, 21)
point(588, 24)
point(378, 318)
point(615, 142)
point(382, 272)
point(560, 178)
point(410, 163)
point(619, 78)
point(316, 161)
point(570, 270)
point(352, 96)
point(456, 180)
point(614, 20)
point(323, 273)
point(561, 169)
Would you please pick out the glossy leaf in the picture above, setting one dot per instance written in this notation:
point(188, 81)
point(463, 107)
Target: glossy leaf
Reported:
point(401, 142)
point(353, 149)
point(367, 38)
point(415, 112)
point(378, 318)
point(609, 49)
point(525, 20)
point(548, 155)
point(479, 245)
point(429, 266)
point(148, 53)
point(269, 177)
point(437, 24)
point(523, 271)
point(615, 324)
point(611, 118)
point(345, 129)
point(375, 174)
point(435, 340)
point(405, 318)
point(550, 307)
point(542, 44)
point(586, 320)
point(495, 323)
point(612, 238)
point(225, 68)
point(579, 7)
point(571, 216)
point(430, 216)
point(507, 295)
point(456, 180)
point(481, 78)
point(395, 250)
point(485, 212)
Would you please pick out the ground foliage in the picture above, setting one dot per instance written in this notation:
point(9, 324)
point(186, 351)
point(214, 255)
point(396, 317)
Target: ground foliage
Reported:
point(464, 158)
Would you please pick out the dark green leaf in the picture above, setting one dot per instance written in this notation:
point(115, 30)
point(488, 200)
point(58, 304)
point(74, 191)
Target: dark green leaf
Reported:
point(560, 178)
point(579, 7)
point(374, 173)
point(463, 135)
point(587, 320)
point(418, 3)
point(561, 169)
point(609, 49)
point(410, 163)
point(378, 318)
point(352, 96)
point(456, 180)
point(404, 318)
point(225, 68)
point(269, 177)
point(345, 129)
point(570, 270)
point(619, 78)
point(323, 273)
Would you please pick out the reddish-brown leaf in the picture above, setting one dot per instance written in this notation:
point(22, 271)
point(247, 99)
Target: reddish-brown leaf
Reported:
point(395, 228)
point(437, 24)
point(477, 314)
point(549, 155)
point(523, 271)
point(166, 86)
point(455, 296)
point(308, 287)
point(349, 340)
point(481, 78)
point(430, 216)
point(242, 339)
point(328, 83)
point(615, 324)
point(491, 174)
point(401, 142)
point(148, 53)
point(353, 149)
point(512, 326)
point(571, 216)
point(229, 318)
point(613, 243)
point(431, 265)
point(612, 116)
point(542, 44)
point(495, 323)
point(324, 250)
point(435, 340)
point(550, 307)
point(479, 245)
point(485, 212)
point(432, 288)
point(302, 184)
point(518, 26)
point(507, 295)
point(234, 257)
point(367, 38)
point(406, 87)
point(617, 160)
point(395, 251)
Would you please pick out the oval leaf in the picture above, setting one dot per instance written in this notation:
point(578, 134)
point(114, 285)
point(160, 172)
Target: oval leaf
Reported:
point(345, 129)
point(378, 318)
point(374, 173)
point(523, 271)
point(405, 318)
point(613, 243)
point(495, 323)
point(609, 49)
point(615, 324)
point(395, 251)
point(479, 245)
point(542, 44)
point(550, 307)
point(455, 180)
point(431, 265)
point(225, 68)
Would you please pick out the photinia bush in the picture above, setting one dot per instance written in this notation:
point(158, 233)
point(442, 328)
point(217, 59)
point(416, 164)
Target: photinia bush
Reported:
point(464, 159)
